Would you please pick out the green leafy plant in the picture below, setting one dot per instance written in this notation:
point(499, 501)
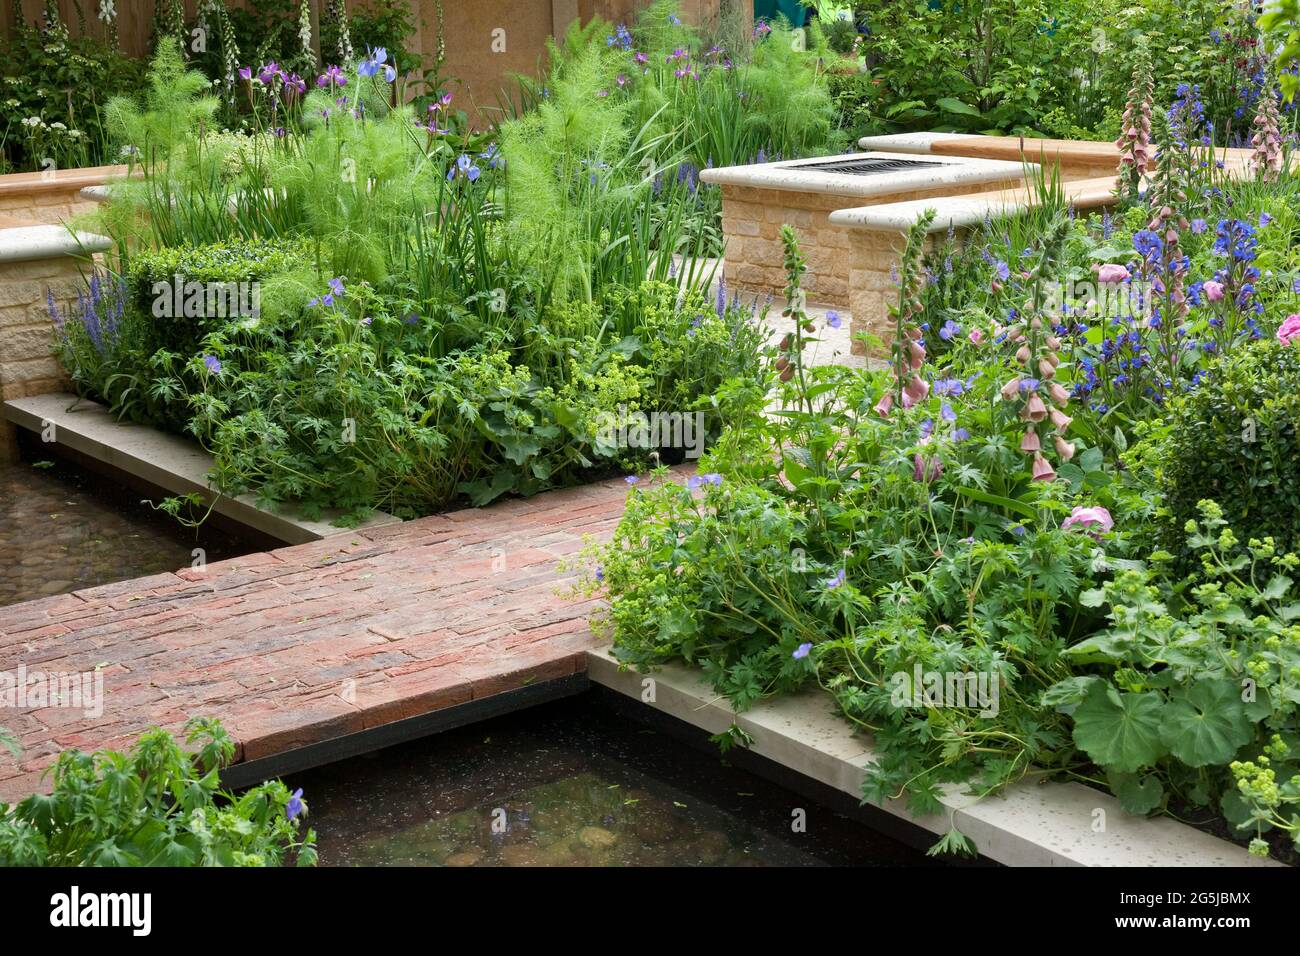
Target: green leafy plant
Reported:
point(1233, 439)
point(156, 805)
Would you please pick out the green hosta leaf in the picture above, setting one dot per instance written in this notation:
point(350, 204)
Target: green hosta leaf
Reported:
point(952, 105)
point(1207, 725)
point(1119, 731)
point(1137, 794)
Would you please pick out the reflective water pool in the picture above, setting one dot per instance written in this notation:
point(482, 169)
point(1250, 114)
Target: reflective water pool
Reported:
point(572, 784)
point(62, 529)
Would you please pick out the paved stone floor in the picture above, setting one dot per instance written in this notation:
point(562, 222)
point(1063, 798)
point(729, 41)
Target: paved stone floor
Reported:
point(307, 643)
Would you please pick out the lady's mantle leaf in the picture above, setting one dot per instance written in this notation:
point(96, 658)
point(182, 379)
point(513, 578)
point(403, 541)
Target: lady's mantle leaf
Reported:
point(1207, 725)
point(1119, 731)
point(1138, 794)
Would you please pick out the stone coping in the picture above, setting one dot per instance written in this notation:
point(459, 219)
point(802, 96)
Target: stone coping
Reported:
point(26, 242)
point(99, 194)
point(955, 171)
point(909, 142)
point(962, 211)
point(168, 461)
point(1067, 151)
point(1029, 824)
point(61, 180)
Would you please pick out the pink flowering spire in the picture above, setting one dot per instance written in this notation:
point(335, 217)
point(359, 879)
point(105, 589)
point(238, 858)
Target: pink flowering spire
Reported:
point(1134, 141)
point(1266, 160)
point(907, 351)
point(1039, 400)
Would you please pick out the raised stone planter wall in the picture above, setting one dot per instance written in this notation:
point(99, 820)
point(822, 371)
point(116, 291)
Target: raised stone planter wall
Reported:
point(52, 197)
point(34, 262)
point(752, 220)
point(758, 199)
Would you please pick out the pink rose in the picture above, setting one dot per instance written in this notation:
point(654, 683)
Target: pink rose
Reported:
point(1110, 274)
point(1097, 517)
point(1213, 291)
point(976, 336)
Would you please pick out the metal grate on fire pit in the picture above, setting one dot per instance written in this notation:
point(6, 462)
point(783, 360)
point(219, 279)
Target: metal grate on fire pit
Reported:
point(863, 167)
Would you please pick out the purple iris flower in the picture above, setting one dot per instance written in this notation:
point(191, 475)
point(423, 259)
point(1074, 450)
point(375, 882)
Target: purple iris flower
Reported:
point(464, 167)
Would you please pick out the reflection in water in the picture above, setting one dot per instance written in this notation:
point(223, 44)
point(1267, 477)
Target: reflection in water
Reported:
point(570, 784)
point(62, 530)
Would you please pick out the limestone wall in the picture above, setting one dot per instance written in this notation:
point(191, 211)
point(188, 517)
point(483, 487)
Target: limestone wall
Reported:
point(34, 261)
point(752, 220)
point(51, 197)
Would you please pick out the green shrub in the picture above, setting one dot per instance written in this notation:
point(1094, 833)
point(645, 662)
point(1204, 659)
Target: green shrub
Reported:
point(162, 284)
point(1234, 439)
point(155, 806)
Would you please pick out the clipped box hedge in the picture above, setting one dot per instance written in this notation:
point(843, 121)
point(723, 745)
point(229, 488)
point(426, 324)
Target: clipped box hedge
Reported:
point(191, 291)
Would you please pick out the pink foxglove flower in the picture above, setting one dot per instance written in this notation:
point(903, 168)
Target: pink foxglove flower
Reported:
point(1096, 518)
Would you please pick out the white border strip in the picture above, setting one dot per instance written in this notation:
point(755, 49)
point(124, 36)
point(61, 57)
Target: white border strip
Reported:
point(1030, 824)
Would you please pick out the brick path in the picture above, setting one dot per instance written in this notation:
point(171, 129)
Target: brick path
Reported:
point(421, 616)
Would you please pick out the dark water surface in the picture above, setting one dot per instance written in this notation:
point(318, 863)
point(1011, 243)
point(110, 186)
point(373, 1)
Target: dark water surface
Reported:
point(575, 784)
point(63, 529)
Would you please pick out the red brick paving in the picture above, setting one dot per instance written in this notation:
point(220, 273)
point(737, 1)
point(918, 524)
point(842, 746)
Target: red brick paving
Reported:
point(306, 643)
